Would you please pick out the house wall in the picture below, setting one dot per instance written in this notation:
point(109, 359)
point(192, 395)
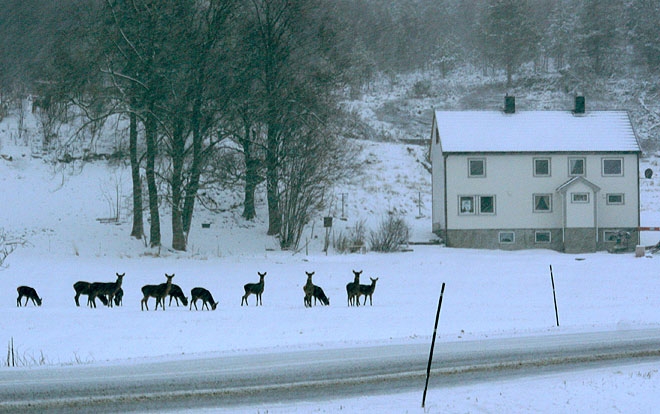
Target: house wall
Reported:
point(437, 184)
point(511, 180)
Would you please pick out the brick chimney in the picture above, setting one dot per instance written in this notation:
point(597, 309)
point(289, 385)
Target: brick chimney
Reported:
point(509, 104)
point(579, 105)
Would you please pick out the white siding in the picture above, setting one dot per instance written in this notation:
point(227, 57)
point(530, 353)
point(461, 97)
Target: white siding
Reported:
point(510, 178)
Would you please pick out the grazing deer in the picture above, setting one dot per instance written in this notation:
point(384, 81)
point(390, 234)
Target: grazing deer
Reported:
point(309, 290)
point(177, 294)
point(29, 293)
point(320, 295)
point(156, 291)
point(368, 290)
point(204, 295)
point(82, 288)
point(98, 289)
point(119, 297)
point(353, 289)
point(256, 288)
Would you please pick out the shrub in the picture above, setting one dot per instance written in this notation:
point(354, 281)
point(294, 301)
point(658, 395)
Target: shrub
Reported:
point(392, 232)
point(352, 242)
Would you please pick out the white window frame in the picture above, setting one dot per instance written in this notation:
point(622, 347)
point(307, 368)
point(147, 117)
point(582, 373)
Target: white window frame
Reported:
point(461, 203)
point(549, 210)
point(502, 240)
point(610, 235)
point(570, 166)
point(486, 213)
point(483, 166)
point(580, 198)
point(618, 203)
point(475, 201)
point(536, 173)
point(602, 165)
point(538, 232)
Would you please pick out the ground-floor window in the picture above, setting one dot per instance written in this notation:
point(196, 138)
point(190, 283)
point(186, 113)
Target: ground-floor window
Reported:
point(542, 236)
point(507, 237)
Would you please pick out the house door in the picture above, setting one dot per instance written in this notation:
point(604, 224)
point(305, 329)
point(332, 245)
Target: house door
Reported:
point(580, 215)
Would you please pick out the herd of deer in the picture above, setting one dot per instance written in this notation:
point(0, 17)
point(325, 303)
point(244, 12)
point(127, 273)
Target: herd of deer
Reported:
point(112, 293)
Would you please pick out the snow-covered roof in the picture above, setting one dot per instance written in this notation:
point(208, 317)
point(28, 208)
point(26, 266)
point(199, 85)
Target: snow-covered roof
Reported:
point(535, 131)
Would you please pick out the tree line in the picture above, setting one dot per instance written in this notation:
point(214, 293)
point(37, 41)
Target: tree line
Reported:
point(269, 76)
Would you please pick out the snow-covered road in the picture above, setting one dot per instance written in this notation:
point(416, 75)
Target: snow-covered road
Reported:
point(248, 379)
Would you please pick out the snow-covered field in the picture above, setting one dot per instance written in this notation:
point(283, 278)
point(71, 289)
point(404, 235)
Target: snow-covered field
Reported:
point(488, 293)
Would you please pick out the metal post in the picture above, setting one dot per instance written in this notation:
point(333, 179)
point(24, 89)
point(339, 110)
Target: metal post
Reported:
point(552, 278)
point(435, 330)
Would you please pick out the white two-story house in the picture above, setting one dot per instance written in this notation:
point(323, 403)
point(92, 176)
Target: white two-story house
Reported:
point(562, 180)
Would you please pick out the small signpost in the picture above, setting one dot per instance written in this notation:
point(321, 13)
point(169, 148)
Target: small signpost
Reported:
point(327, 223)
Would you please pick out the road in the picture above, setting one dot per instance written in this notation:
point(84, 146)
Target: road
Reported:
point(310, 375)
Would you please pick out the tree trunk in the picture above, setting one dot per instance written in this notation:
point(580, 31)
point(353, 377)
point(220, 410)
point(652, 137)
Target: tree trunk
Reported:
point(272, 184)
point(195, 169)
point(150, 132)
point(176, 183)
point(251, 178)
point(138, 224)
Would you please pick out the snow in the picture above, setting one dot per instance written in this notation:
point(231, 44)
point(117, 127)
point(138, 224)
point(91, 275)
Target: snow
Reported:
point(488, 293)
point(535, 131)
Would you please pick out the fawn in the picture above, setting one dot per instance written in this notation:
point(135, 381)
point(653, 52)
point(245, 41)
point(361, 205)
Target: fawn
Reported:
point(119, 297)
point(157, 291)
point(82, 288)
point(29, 293)
point(353, 289)
point(204, 295)
point(256, 288)
point(177, 294)
point(368, 290)
point(98, 289)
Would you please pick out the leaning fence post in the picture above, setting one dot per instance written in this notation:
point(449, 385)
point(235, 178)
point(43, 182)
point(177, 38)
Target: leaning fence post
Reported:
point(554, 295)
point(435, 330)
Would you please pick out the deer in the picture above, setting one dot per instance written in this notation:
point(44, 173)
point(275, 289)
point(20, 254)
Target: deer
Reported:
point(368, 290)
point(82, 288)
point(119, 297)
point(311, 290)
point(308, 289)
point(353, 289)
point(98, 289)
point(29, 293)
point(256, 288)
point(156, 291)
point(320, 295)
point(177, 294)
point(204, 295)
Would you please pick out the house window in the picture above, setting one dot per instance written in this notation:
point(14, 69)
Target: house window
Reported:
point(541, 167)
point(615, 199)
point(466, 205)
point(576, 166)
point(611, 235)
point(542, 236)
point(612, 167)
point(507, 237)
point(437, 137)
point(542, 203)
point(484, 204)
point(579, 198)
point(476, 167)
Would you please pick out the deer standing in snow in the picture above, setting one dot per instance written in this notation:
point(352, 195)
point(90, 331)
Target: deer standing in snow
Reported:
point(256, 288)
point(29, 293)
